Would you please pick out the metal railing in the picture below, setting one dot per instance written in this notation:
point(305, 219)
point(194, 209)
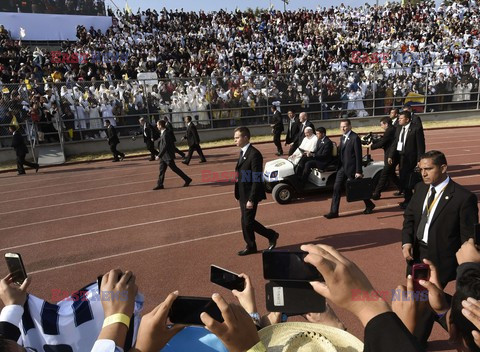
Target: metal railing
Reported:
point(213, 102)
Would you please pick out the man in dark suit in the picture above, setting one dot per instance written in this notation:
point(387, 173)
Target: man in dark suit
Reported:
point(167, 155)
point(113, 141)
point(193, 140)
point(21, 150)
point(386, 142)
point(408, 146)
point(436, 223)
point(170, 130)
point(292, 132)
point(304, 123)
point(277, 129)
point(440, 217)
point(249, 191)
point(149, 135)
point(416, 120)
point(321, 157)
point(349, 167)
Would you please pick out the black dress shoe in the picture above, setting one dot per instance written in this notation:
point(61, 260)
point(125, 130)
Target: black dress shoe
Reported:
point(184, 162)
point(21, 173)
point(331, 215)
point(202, 161)
point(247, 251)
point(279, 154)
point(158, 187)
point(369, 210)
point(187, 183)
point(376, 196)
point(273, 242)
point(398, 194)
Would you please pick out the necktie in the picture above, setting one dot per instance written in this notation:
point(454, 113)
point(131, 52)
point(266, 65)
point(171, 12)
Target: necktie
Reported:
point(240, 156)
point(424, 219)
point(402, 137)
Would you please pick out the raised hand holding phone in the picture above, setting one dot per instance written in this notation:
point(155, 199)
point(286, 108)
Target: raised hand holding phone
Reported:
point(16, 267)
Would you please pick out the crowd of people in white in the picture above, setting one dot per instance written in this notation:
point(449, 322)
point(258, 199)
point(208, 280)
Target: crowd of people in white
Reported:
point(226, 68)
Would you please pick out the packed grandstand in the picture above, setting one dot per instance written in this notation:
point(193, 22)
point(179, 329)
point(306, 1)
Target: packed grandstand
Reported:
point(226, 68)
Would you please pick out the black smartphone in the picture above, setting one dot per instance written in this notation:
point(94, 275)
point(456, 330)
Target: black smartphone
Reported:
point(293, 298)
point(280, 265)
point(187, 310)
point(477, 234)
point(227, 279)
point(16, 267)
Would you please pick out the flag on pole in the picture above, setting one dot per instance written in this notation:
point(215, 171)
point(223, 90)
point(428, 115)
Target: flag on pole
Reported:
point(127, 8)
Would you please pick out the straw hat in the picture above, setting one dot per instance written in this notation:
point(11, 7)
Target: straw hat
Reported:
point(308, 337)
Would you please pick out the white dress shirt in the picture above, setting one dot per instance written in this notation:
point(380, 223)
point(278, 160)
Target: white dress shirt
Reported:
point(438, 195)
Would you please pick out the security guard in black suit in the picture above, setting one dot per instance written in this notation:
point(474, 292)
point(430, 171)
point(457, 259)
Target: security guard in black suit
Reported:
point(193, 140)
point(113, 141)
point(386, 142)
point(277, 129)
point(292, 132)
point(21, 150)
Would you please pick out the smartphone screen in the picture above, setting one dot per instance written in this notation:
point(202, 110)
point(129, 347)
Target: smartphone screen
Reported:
point(15, 267)
point(420, 272)
point(187, 310)
point(288, 266)
point(293, 298)
point(226, 278)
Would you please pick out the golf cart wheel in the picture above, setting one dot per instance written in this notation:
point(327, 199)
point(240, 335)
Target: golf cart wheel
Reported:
point(282, 193)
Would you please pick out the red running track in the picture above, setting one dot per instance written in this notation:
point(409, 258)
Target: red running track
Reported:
point(72, 223)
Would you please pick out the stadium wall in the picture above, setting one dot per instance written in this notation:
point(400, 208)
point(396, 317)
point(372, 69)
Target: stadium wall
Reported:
point(127, 144)
point(50, 26)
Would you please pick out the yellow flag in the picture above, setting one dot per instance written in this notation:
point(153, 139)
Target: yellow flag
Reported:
point(127, 8)
point(14, 122)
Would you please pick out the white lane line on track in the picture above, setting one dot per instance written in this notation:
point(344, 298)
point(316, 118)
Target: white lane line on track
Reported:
point(125, 227)
point(102, 187)
point(114, 210)
point(93, 172)
point(193, 240)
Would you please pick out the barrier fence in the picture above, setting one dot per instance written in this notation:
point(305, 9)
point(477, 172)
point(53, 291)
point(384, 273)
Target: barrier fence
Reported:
point(75, 111)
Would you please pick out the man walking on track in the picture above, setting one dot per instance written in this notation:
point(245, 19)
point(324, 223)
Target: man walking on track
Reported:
point(249, 192)
point(167, 155)
point(21, 150)
point(113, 142)
point(193, 140)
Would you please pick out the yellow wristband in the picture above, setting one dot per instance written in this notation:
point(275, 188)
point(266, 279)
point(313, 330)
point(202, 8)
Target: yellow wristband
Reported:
point(117, 318)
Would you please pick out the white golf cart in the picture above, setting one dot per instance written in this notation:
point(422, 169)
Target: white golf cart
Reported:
point(281, 180)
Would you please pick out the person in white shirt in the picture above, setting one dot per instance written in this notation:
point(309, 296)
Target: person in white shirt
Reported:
point(308, 145)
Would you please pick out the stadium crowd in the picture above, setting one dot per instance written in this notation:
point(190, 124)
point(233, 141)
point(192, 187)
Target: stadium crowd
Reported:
point(225, 66)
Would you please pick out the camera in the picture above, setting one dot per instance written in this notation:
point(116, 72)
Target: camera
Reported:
point(369, 139)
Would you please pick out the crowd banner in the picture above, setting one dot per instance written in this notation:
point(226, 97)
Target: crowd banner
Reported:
point(32, 26)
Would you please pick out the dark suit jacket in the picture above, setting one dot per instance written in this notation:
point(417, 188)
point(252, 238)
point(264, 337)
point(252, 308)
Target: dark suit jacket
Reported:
point(166, 147)
point(386, 142)
point(417, 121)
point(386, 332)
point(301, 133)
point(323, 152)
point(18, 143)
point(413, 149)
point(293, 131)
point(148, 131)
point(249, 185)
point(277, 122)
point(350, 155)
point(451, 225)
point(169, 127)
point(192, 135)
point(112, 135)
